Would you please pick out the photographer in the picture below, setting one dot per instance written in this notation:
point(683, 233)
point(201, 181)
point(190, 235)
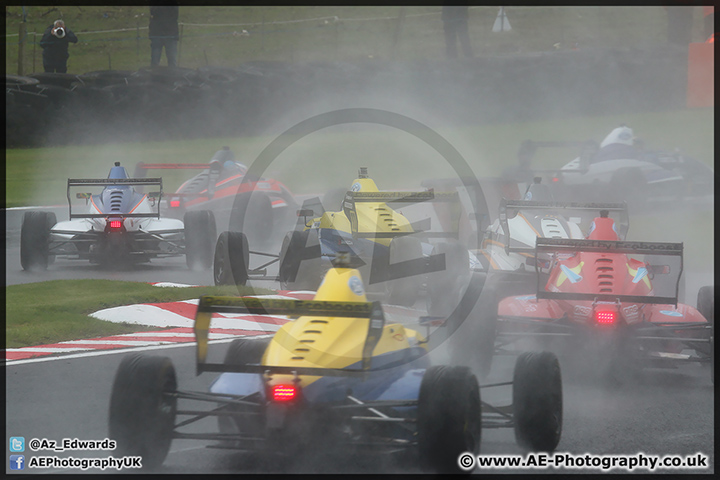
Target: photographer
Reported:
point(54, 43)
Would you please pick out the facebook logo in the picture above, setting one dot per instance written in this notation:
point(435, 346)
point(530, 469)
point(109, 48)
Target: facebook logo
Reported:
point(17, 462)
point(17, 444)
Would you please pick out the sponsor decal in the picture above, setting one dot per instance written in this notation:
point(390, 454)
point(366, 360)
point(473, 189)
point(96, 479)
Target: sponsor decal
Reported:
point(671, 313)
point(356, 286)
point(355, 187)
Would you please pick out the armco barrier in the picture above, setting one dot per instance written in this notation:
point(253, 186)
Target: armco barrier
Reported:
point(183, 103)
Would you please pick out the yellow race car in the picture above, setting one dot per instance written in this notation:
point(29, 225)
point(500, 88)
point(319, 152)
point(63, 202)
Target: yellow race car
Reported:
point(396, 255)
point(342, 374)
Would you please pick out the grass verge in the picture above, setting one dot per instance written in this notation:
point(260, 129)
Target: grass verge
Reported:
point(58, 310)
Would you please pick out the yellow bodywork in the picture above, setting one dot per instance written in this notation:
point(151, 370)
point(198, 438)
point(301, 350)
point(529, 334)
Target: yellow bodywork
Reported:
point(371, 216)
point(332, 342)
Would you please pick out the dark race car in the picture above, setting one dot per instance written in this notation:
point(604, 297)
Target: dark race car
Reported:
point(259, 207)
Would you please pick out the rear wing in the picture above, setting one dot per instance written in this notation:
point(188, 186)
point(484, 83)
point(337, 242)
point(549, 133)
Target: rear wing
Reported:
point(207, 305)
point(110, 182)
point(560, 246)
point(351, 198)
point(510, 208)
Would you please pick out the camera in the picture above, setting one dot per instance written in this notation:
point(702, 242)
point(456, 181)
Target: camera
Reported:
point(59, 32)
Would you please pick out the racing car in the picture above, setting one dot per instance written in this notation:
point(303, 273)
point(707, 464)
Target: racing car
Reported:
point(602, 302)
point(396, 253)
point(120, 226)
point(636, 175)
point(508, 246)
point(340, 374)
point(258, 207)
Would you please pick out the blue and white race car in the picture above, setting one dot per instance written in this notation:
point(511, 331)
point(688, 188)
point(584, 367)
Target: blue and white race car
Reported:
point(120, 226)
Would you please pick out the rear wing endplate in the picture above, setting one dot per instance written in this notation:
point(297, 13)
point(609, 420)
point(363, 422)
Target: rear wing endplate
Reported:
point(510, 208)
point(571, 246)
point(109, 182)
point(207, 305)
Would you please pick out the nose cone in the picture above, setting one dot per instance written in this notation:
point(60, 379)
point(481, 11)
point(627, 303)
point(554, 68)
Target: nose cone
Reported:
point(342, 285)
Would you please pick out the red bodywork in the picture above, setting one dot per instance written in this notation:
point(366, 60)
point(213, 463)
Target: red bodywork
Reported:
point(591, 273)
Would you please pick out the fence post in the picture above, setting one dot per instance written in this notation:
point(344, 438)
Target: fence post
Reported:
point(21, 48)
point(398, 27)
point(137, 42)
point(34, 43)
point(180, 44)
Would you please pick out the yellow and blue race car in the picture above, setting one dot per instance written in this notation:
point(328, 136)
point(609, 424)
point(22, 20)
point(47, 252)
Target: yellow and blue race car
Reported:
point(396, 255)
point(341, 374)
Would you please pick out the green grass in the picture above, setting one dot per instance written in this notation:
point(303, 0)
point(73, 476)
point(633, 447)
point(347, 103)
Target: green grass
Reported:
point(380, 32)
point(54, 311)
point(330, 158)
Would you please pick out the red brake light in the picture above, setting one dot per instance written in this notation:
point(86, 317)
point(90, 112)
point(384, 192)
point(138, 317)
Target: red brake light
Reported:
point(284, 393)
point(116, 224)
point(605, 318)
point(555, 179)
point(175, 203)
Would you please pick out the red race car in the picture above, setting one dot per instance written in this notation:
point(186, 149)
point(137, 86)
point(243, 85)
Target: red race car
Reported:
point(259, 206)
point(600, 296)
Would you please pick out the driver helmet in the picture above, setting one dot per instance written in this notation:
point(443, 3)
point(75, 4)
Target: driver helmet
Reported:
point(622, 134)
point(224, 155)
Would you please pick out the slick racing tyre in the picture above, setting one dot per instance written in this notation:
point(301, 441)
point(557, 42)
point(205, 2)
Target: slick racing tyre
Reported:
point(445, 288)
point(448, 417)
point(232, 256)
point(242, 351)
point(252, 214)
point(706, 307)
point(537, 401)
point(706, 303)
point(300, 263)
point(404, 291)
point(35, 240)
point(200, 233)
point(142, 410)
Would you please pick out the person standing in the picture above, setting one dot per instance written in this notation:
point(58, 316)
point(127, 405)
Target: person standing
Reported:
point(164, 33)
point(455, 26)
point(54, 43)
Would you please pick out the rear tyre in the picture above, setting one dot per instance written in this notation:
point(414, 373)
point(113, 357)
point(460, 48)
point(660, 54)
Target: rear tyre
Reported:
point(252, 214)
point(706, 307)
point(200, 234)
point(232, 256)
point(142, 410)
point(404, 291)
point(706, 303)
point(448, 417)
point(242, 351)
point(35, 240)
point(537, 401)
point(300, 263)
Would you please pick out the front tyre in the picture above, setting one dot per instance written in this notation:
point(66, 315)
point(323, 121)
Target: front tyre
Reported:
point(232, 255)
point(143, 409)
point(200, 233)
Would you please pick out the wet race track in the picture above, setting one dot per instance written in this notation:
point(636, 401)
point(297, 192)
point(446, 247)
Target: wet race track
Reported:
point(661, 412)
